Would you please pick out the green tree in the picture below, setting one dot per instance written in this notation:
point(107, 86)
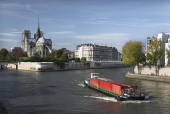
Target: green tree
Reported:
point(3, 53)
point(77, 59)
point(36, 55)
point(83, 59)
point(10, 57)
point(64, 57)
point(25, 54)
point(168, 54)
point(133, 53)
point(154, 52)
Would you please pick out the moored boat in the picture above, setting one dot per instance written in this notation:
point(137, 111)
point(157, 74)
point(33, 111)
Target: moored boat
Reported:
point(121, 91)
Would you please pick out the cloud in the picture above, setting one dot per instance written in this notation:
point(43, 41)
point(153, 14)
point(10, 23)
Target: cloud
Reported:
point(70, 39)
point(13, 29)
point(103, 36)
point(11, 34)
point(17, 5)
point(131, 23)
point(43, 5)
point(61, 33)
point(63, 44)
point(110, 39)
point(9, 40)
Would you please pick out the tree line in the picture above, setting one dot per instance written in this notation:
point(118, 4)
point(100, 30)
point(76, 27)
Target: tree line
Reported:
point(18, 55)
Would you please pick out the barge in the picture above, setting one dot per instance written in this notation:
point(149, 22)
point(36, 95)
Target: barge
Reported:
point(119, 90)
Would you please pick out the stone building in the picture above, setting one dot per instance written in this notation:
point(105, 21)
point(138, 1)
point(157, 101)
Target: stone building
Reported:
point(96, 52)
point(38, 44)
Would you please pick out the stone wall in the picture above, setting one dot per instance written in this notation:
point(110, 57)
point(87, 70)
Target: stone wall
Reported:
point(165, 71)
point(27, 65)
point(75, 65)
point(13, 66)
point(43, 66)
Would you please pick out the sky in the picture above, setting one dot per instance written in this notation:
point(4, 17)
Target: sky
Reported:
point(73, 22)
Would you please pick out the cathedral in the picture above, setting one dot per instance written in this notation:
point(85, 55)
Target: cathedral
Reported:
point(38, 44)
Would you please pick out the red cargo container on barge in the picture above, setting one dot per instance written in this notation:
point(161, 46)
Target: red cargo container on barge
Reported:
point(120, 91)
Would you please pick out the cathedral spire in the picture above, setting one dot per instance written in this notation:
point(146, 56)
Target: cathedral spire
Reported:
point(38, 22)
point(38, 32)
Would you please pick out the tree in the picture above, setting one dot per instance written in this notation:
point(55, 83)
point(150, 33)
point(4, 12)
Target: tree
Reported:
point(36, 54)
point(3, 53)
point(77, 59)
point(15, 54)
point(168, 54)
point(56, 53)
point(154, 52)
point(10, 58)
point(133, 53)
point(64, 57)
point(83, 59)
point(25, 54)
point(59, 53)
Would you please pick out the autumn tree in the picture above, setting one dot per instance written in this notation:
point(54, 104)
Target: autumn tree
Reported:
point(15, 54)
point(133, 53)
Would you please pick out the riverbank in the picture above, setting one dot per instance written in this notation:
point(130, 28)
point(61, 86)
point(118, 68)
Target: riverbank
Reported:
point(57, 66)
point(2, 108)
point(148, 77)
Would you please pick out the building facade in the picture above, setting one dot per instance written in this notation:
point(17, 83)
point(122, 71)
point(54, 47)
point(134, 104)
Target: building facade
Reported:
point(38, 44)
point(96, 52)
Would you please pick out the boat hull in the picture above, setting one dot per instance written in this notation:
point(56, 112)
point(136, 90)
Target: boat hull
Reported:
point(118, 97)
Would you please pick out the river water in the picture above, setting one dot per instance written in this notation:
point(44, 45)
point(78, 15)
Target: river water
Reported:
point(62, 92)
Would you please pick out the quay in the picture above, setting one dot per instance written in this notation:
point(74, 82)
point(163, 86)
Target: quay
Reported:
point(57, 66)
point(148, 77)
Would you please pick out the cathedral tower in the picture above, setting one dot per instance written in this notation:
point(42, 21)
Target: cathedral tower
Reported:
point(26, 35)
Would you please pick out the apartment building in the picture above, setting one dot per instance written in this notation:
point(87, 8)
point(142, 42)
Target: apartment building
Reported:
point(96, 52)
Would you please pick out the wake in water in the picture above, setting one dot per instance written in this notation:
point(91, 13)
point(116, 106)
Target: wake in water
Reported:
point(112, 99)
point(136, 101)
point(82, 84)
point(103, 98)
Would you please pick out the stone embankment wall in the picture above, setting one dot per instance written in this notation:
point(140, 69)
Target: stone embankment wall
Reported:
point(34, 66)
point(45, 66)
point(148, 77)
point(74, 65)
point(13, 66)
point(27, 65)
point(161, 71)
